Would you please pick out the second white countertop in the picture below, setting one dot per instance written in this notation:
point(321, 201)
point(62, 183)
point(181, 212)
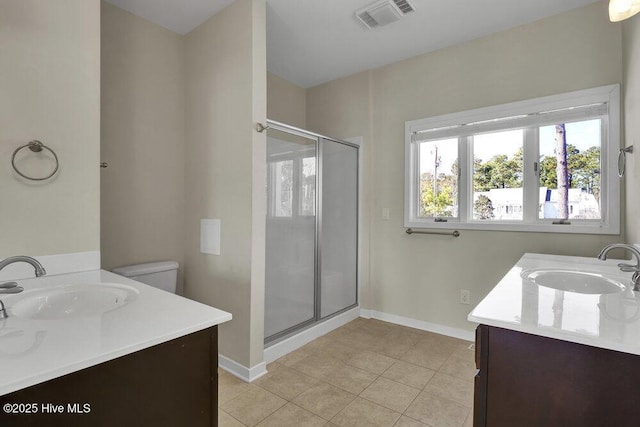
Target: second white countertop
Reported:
point(34, 351)
point(610, 321)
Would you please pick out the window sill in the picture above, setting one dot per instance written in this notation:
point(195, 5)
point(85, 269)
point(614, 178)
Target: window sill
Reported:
point(576, 227)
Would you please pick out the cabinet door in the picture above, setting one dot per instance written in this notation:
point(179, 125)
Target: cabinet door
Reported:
point(535, 381)
point(480, 390)
point(170, 384)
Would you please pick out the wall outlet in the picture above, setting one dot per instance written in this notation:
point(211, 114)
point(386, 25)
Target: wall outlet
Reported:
point(465, 296)
point(385, 213)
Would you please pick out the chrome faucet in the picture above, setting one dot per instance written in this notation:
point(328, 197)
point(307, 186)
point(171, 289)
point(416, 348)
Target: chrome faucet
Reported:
point(635, 279)
point(40, 271)
point(12, 287)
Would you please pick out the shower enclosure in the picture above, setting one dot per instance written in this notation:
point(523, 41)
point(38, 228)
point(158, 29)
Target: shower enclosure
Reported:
point(312, 229)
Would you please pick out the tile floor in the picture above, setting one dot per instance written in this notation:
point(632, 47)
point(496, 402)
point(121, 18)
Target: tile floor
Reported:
point(366, 373)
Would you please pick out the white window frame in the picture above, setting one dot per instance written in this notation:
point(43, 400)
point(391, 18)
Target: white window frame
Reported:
point(488, 119)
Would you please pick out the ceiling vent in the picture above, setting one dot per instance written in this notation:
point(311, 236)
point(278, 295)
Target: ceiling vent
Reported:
point(384, 12)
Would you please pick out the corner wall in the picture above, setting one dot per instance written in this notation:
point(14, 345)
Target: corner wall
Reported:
point(142, 140)
point(225, 96)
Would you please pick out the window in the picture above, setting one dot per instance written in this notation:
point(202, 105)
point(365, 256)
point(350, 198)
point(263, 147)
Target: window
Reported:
point(308, 187)
point(438, 182)
point(546, 164)
point(292, 192)
point(282, 196)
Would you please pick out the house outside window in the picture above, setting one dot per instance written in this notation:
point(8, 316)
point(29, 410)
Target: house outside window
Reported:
point(547, 164)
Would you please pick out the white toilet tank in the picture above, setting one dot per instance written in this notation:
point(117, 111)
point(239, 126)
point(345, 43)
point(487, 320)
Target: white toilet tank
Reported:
point(162, 275)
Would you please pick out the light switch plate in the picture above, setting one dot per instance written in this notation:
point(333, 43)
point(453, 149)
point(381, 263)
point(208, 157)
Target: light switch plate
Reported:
point(210, 236)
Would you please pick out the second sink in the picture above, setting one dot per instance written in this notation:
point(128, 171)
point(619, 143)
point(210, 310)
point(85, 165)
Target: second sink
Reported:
point(573, 281)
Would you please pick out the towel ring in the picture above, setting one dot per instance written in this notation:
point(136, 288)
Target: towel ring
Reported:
point(622, 160)
point(35, 146)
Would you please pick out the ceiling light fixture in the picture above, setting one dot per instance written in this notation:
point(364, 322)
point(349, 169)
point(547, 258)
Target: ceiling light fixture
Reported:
point(623, 9)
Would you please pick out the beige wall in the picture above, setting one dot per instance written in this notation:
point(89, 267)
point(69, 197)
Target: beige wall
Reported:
point(420, 277)
point(225, 95)
point(50, 91)
point(142, 133)
point(631, 55)
point(286, 102)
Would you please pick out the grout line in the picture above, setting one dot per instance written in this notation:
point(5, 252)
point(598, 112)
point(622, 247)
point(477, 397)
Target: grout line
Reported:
point(343, 362)
point(219, 409)
point(273, 412)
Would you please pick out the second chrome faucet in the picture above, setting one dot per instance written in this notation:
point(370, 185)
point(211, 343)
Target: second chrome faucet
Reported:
point(635, 269)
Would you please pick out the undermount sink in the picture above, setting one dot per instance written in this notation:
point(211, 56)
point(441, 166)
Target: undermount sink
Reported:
point(73, 301)
point(573, 281)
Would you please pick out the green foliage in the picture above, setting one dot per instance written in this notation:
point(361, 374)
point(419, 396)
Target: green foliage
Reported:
point(502, 171)
point(584, 170)
point(548, 172)
point(498, 172)
point(483, 207)
point(440, 202)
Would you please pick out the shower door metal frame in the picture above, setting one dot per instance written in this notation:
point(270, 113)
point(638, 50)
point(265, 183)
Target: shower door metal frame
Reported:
point(317, 318)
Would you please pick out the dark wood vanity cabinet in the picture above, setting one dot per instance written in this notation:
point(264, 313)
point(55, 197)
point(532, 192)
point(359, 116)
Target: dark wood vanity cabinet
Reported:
point(528, 380)
point(170, 384)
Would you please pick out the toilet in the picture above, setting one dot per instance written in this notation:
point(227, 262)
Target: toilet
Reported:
point(162, 275)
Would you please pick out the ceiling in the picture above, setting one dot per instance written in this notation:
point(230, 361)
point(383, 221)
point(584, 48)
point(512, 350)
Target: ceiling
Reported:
point(314, 41)
point(180, 16)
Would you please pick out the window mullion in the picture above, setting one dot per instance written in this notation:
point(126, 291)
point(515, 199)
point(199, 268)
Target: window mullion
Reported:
point(415, 164)
point(607, 172)
point(296, 171)
point(531, 170)
point(465, 180)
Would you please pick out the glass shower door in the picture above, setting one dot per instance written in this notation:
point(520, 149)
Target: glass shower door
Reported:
point(291, 231)
point(338, 227)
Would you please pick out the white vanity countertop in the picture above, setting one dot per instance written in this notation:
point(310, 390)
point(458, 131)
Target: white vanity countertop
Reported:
point(35, 351)
point(610, 321)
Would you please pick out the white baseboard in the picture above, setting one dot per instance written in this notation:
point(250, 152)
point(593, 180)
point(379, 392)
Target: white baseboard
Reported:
point(290, 344)
point(283, 347)
point(419, 324)
point(245, 374)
